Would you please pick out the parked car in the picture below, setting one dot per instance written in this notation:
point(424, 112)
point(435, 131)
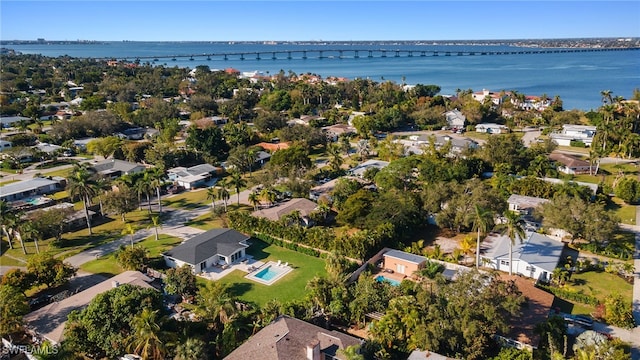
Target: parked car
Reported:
point(39, 302)
point(175, 189)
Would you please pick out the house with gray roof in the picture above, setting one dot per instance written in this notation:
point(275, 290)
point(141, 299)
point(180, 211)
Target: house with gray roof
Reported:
point(535, 256)
point(458, 144)
point(30, 188)
point(113, 168)
point(288, 338)
point(455, 119)
point(524, 205)
point(209, 249)
point(194, 176)
point(401, 262)
point(360, 169)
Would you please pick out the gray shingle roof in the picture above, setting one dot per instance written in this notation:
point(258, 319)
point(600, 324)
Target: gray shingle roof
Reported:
point(536, 249)
point(287, 338)
point(201, 247)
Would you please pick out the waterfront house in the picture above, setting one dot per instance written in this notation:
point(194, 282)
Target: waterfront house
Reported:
point(568, 164)
point(569, 133)
point(212, 248)
point(289, 338)
point(492, 128)
point(535, 256)
point(486, 95)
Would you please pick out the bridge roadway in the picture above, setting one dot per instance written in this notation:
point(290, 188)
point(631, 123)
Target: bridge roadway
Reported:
point(357, 53)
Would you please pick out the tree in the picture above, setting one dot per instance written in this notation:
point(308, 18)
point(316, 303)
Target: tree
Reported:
point(254, 200)
point(5, 214)
point(515, 231)
point(121, 201)
point(335, 157)
point(48, 270)
point(215, 304)
point(19, 279)
point(27, 230)
point(13, 306)
point(80, 183)
point(238, 183)
point(129, 229)
point(223, 192)
point(102, 328)
point(104, 146)
point(191, 349)
point(213, 196)
point(482, 222)
point(156, 223)
point(209, 141)
point(628, 189)
point(181, 281)
point(351, 353)
point(144, 339)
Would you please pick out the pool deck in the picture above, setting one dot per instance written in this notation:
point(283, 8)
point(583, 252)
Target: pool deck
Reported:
point(283, 269)
point(217, 273)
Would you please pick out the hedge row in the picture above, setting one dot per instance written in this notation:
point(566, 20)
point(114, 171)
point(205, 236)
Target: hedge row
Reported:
point(288, 245)
point(570, 295)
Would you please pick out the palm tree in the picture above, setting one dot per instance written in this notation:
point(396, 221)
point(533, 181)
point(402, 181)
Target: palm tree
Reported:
point(129, 230)
point(157, 182)
point(515, 230)
point(223, 192)
point(144, 187)
point(4, 221)
point(212, 195)
point(335, 157)
point(237, 182)
point(254, 199)
point(216, 304)
point(482, 222)
point(607, 96)
point(28, 231)
point(352, 352)
point(156, 223)
point(191, 349)
point(144, 339)
point(81, 183)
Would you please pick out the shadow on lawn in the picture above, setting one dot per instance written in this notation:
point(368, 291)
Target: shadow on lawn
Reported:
point(239, 289)
point(257, 249)
point(181, 203)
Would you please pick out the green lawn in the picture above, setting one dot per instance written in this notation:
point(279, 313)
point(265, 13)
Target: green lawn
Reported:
point(626, 212)
point(290, 287)
point(2, 183)
point(72, 243)
point(206, 222)
point(188, 200)
point(108, 266)
point(599, 284)
point(62, 173)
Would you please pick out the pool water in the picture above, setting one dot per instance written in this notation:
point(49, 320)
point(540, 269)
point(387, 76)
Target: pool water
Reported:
point(266, 274)
point(381, 278)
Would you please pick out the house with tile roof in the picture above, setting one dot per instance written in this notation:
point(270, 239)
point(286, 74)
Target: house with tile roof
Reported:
point(288, 338)
point(209, 249)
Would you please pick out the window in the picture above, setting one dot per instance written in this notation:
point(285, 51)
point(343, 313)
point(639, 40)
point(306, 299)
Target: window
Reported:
point(530, 268)
point(503, 262)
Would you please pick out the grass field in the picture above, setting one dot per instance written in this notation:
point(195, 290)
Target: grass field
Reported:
point(108, 266)
point(625, 212)
point(290, 287)
point(72, 243)
point(599, 284)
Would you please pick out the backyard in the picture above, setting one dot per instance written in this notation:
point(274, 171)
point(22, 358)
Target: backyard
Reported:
point(290, 287)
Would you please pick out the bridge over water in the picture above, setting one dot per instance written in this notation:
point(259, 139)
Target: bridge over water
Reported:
point(358, 53)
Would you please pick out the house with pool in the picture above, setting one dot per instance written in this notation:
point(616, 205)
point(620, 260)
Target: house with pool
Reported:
point(214, 248)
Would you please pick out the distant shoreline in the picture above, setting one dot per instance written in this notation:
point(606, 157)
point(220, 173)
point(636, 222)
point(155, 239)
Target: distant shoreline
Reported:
point(621, 42)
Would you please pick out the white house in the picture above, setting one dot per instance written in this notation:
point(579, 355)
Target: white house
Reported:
point(496, 98)
point(113, 168)
point(192, 177)
point(492, 128)
point(217, 247)
point(571, 165)
point(30, 188)
point(524, 204)
point(455, 119)
point(569, 133)
point(535, 256)
point(361, 168)
point(458, 145)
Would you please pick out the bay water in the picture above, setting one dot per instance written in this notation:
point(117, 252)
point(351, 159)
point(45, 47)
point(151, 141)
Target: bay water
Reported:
point(577, 78)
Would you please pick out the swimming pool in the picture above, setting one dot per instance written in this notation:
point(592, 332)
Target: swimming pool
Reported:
point(266, 274)
point(269, 273)
point(393, 282)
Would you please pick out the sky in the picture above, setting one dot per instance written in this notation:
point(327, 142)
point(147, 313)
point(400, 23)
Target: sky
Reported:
point(303, 20)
